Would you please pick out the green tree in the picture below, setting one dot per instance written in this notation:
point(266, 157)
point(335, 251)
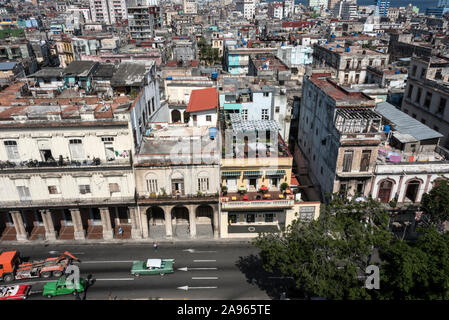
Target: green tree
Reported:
point(326, 255)
point(416, 270)
point(435, 204)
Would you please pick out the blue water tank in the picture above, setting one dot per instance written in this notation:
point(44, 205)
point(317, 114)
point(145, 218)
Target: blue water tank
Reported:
point(338, 46)
point(333, 36)
point(386, 128)
point(397, 72)
point(214, 75)
point(212, 132)
point(330, 49)
point(168, 78)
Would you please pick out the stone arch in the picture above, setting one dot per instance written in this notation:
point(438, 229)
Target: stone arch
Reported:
point(175, 116)
point(204, 214)
point(412, 187)
point(385, 189)
point(156, 216)
point(180, 215)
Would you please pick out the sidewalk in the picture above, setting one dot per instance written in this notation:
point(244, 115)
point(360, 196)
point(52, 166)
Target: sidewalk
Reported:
point(148, 241)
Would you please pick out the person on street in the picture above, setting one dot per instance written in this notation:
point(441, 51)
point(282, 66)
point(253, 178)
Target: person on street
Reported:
point(155, 246)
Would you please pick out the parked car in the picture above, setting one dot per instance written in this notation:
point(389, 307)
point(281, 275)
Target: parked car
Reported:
point(152, 266)
point(17, 292)
point(62, 287)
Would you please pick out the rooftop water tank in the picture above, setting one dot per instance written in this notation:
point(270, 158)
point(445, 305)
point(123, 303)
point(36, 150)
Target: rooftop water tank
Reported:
point(397, 72)
point(212, 132)
point(386, 128)
point(168, 78)
point(330, 49)
point(338, 46)
point(214, 75)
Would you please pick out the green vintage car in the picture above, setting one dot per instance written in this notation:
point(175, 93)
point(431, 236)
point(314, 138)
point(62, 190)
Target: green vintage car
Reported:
point(62, 286)
point(152, 266)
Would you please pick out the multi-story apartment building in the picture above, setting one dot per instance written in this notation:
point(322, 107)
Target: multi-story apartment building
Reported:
point(382, 7)
point(339, 135)
point(144, 17)
point(276, 10)
point(427, 94)
point(256, 173)
point(289, 6)
point(317, 4)
point(247, 8)
point(345, 10)
point(66, 164)
point(256, 103)
point(295, 56)
point(350, 62)
point(64, 48)
point(410, 161)
point(236, 60)
point(108, 11)
point(177, 174)
point(190, 7)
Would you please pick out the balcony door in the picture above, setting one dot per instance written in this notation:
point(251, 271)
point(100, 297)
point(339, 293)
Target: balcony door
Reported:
point(177, 186)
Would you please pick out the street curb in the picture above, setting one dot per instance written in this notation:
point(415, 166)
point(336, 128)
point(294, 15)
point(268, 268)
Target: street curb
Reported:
point(126, 242)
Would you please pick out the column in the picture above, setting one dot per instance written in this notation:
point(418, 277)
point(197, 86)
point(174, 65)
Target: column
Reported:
point(135, 230)
point(50, 233)
point(108, 233)
point(167, 218)
point(216, 221)
point(192, 219)
point(77, 224)
point(18, 224)
point(144, 221)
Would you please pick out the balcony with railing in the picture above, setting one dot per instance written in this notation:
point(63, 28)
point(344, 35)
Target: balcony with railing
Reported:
point(266, 198)
point(64, 164)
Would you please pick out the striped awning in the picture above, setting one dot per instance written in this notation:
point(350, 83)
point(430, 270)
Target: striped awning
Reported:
point(275, 172)
point(252, 173)
point(230, 174)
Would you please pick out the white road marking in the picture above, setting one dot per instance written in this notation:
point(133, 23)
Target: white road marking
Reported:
point(117, 261)
point(204, 278)
point(33, 292)
point(204, 260)
point(187, 269)
point(195, 251)
point(116, 279)
point(187, 288)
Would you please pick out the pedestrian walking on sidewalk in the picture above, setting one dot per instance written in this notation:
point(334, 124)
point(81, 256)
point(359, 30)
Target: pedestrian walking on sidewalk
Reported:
point(155, 246)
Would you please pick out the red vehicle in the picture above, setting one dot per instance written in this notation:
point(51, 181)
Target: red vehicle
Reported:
point(17, 292)
point(11, 268)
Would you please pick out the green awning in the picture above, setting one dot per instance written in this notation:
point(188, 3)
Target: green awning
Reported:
point(252, 173)
point(232, 106)
point(230, 174)
point(275, 173)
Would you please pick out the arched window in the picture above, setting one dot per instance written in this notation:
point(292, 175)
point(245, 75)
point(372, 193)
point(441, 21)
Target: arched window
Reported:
point(412, 189)
point(152, 185)
point(385, 189)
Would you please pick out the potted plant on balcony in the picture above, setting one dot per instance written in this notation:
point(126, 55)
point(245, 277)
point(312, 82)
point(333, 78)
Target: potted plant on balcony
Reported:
point(242, 190)
point(284, 186)
point(263, 188)
point(224, 189)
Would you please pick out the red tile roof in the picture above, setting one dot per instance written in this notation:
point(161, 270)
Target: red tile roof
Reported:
point(203, 99)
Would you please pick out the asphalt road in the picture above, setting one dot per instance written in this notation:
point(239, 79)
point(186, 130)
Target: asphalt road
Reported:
point(232, 271)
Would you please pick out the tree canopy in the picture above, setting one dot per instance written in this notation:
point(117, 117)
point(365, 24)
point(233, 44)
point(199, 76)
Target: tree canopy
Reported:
point(435, 204)
point(328, 257)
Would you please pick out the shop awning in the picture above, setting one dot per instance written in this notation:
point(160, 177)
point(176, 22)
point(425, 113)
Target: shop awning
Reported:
point(252, 173)
point(275, 172)
point(230, 174)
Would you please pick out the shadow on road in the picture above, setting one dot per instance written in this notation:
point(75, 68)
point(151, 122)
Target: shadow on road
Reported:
point(274, 285)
